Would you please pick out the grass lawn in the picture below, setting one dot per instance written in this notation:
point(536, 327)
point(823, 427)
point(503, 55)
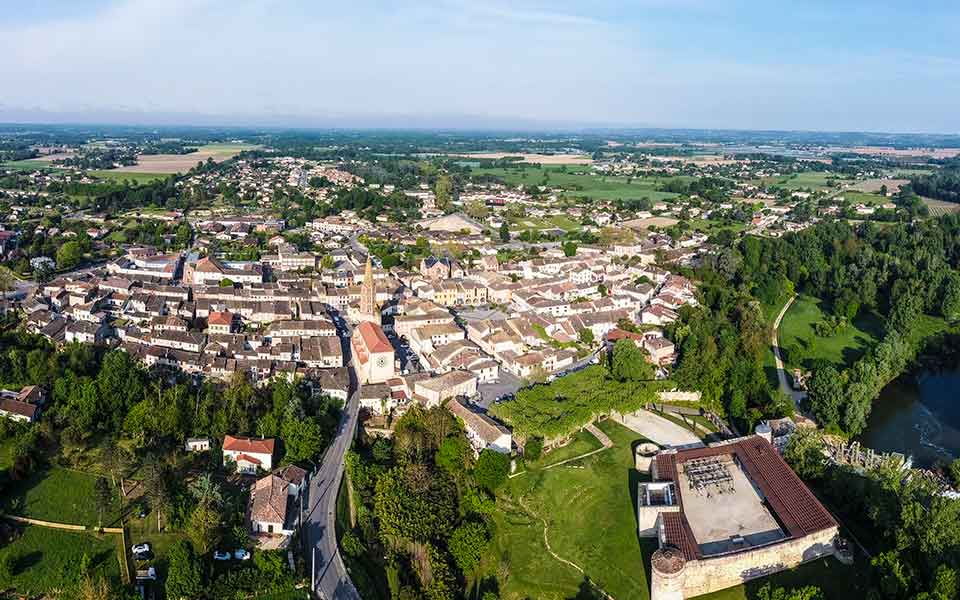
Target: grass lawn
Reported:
point(48, 560)
point(590, 515)
point(579, 181)
point(59, 495)
point(837, 581)
point(800, 344)
point(137, 178)
point(582, 442)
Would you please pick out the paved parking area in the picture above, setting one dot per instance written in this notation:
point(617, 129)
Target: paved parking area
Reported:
point(508, 384)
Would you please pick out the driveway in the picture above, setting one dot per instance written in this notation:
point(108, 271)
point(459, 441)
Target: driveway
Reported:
point(659, 430)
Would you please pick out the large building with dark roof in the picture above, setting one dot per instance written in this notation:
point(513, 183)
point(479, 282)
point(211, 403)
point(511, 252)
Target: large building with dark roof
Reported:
point(726, 514)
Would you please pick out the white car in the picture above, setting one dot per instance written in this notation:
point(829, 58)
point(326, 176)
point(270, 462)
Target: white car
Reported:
point(218, 555)
point(140, 548)
point(241, 554)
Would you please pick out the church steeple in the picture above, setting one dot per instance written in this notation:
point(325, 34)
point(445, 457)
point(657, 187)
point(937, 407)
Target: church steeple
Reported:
point(368, 295)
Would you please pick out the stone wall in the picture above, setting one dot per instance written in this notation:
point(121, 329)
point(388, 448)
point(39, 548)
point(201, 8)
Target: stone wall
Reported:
point(712, 574)
point(679, 396)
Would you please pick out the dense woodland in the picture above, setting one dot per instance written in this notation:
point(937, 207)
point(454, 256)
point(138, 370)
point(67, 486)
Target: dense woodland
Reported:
point(942, 185)
point(911, 530)
point(901, 272)
point(423, 504)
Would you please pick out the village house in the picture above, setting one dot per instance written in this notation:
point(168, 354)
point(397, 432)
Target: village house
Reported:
point(249, 454)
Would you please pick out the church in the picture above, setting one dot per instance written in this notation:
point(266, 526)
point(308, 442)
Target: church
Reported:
point(368, 310)
point(372, 353)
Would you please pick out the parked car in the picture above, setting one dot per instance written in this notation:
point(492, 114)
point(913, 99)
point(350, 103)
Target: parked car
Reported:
point(148, 555)
point(218, 555)
point(241, 554)
point(140, 548)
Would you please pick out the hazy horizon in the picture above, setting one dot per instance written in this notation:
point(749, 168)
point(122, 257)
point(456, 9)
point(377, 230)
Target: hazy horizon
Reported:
point(451, 64)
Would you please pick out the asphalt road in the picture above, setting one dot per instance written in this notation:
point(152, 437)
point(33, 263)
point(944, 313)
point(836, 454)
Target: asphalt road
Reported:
point(330, 577)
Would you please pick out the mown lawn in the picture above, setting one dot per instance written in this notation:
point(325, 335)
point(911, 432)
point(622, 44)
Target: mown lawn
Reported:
point(800, 345)
point(59, 495)
point(47, 561)
point(589, 509)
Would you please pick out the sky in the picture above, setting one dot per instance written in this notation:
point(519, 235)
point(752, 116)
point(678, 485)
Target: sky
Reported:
point(826, 65)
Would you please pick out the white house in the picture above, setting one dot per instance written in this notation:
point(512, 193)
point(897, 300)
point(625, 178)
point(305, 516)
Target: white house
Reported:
point(249, 454)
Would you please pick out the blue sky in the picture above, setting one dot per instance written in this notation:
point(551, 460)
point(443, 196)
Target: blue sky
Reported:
point(823, 65)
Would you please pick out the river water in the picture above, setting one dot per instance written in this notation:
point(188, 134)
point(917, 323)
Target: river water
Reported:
point(918, 415)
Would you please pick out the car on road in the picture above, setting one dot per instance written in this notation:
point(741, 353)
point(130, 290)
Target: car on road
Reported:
point(143, 556)
point(140, 548)
point(219, 555)
point(241, 554)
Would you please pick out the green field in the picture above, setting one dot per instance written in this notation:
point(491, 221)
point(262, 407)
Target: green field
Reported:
point(814, 180)
point(47, 561)
point(138, 178)
point(59, 495)
point(579, 181)
point(800, 344)
point(869, 199)
point(28, 165)
point(591, 522)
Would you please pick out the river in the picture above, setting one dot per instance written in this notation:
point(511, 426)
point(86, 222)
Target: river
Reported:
point(919, 416)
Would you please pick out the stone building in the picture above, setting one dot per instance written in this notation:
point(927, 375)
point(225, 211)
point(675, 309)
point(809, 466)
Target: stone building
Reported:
point(726, 514)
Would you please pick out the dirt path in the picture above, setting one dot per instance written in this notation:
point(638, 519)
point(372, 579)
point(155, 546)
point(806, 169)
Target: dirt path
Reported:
point(778, 360)
point(546, 543)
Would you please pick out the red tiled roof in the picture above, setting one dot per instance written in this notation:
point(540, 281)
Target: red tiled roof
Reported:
point(220, 318)
point(790, 500)
point(18, 407)
point(678, 533)
point(373, 337)
point(245, 444)
point(248, 458)
point(619, 334)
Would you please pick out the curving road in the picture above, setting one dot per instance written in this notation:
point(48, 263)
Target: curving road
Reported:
point(330, 578)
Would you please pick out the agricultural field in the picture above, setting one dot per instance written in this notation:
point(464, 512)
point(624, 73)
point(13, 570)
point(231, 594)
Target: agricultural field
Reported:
point(800, 345)
point(938, 208)
point(543, 159)
point(552, 222)
point(814, 180)
point(588, 506)
point(582, 183)
point(874, 185)
point(46, 561)
point(154, 164)
point(857, 197)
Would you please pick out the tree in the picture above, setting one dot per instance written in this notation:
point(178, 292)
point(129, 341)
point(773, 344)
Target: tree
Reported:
point(804, 453)
point(302, 439)
point(586, 336)
point(183, 572)
point(205, 528)
point(69, 255)
point(156, 481)
point(453, 455)
point(443, 190)
point(467, 545)
point(504, 232)
point(950, 307)
point(226, 282)
point(102, 496)
point(533, 449)
point(327, 262)
point(629, 363)
point(809, 592)
point(206, 491)
point(569, 248)
point(826, 395)
point(492, 469)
